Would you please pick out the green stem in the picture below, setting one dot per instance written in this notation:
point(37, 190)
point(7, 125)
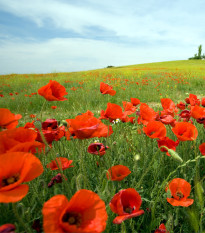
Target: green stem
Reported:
point(26, 229)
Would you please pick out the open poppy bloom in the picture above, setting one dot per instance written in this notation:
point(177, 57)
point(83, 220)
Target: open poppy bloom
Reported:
point(185, 115)
point(7, 228)
point(197, 112)
point(17, 168)
point(118, 172)
point(97, 149)
point(161, 229)
point(180, 190)
point(168, 106)
point(126, 203)
point(167, 120)
point(112, 112)
point(85, 212)
point(135, 101)
point(169, 143)
point(51, 131)
point(155, 129)
point(53, 91)
point(147, 114)
point(193, 100)
point(185, 131)
point(106, 89)
point(8, 120)
point(19, 139)
point(60, 163)
point(181, 105)
point(87, 126)
point(202, 148)
point(203, 101)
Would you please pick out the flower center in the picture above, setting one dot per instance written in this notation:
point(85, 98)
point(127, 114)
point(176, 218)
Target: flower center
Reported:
point(129, 209)
point(72, 218)
point(9, 180)
point(179, 194)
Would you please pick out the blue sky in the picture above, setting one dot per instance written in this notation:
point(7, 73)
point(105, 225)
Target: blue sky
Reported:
point(45, 36)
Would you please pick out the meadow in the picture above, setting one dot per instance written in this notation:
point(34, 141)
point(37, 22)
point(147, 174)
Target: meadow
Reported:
point(143, 134)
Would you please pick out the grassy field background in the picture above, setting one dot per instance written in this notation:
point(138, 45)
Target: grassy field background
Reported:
point(150, 168)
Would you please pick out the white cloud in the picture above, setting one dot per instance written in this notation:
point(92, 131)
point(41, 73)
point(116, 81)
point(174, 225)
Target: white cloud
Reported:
point(64, 55)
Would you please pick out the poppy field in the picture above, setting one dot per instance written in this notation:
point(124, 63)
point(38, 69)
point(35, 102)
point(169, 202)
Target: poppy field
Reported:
point(119, 149)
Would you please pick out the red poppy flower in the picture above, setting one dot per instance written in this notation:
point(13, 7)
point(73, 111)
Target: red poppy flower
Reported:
point(53, 91)
point(168, 106)
point(202, 148)
point(169, 143)
point(7, 228)
point(197, 112)
point(51, 131)
point(60, 163)
point(112, 112)
point(17, 168)
point(118, 172)
point(85, 212)
point(185, 115)
point(155, 129)
point(87, 126)
point(126, 203)
point(203, 101)
point(181, 105)
point(180, 190)
point(193, 100)
point(161, 229)
point(97, 149)
point(8, 120)
point(147, 114)
point(185, 131)
point(53, 107)
point(167, 120)
point(106, 89)
point(135, 101)
point(19, 139)
point(128, 107)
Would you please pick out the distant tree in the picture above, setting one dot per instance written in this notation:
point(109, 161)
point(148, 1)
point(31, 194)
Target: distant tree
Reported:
point(198, 56)
point(199, 51)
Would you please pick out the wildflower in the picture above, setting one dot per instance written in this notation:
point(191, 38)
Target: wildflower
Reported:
point(180, 190)
point(169, 143)
point(155, 129)
point(60, 163)
point(7, 228)
point(161, 229)
point(181, 105)
point(19, 139)
point(97, 148)
point(202, 148)
point(185, 131)
point(126, 203)
point(112, 112)
point(53, 91)
point(87, 126)
point(106, 89)
point(85, 212)
point(118, 172)
point(53, 107)
point(17, 168)
point(135, 101)
point(147, 114)
point(8, 120)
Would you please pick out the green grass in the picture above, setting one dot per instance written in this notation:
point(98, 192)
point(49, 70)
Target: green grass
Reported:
point(151, 169)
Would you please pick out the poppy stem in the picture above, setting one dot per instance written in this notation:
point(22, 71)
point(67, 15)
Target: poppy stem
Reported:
point(14, 207)
point(42, 108)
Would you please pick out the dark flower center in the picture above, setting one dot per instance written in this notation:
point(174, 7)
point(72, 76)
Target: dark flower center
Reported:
point(9, 180)
point(98, 147)
point(72, 218)
point(179, 194)
point(129, 209)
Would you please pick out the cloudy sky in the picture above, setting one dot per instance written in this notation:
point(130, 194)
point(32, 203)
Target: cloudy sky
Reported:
point(45, 36)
